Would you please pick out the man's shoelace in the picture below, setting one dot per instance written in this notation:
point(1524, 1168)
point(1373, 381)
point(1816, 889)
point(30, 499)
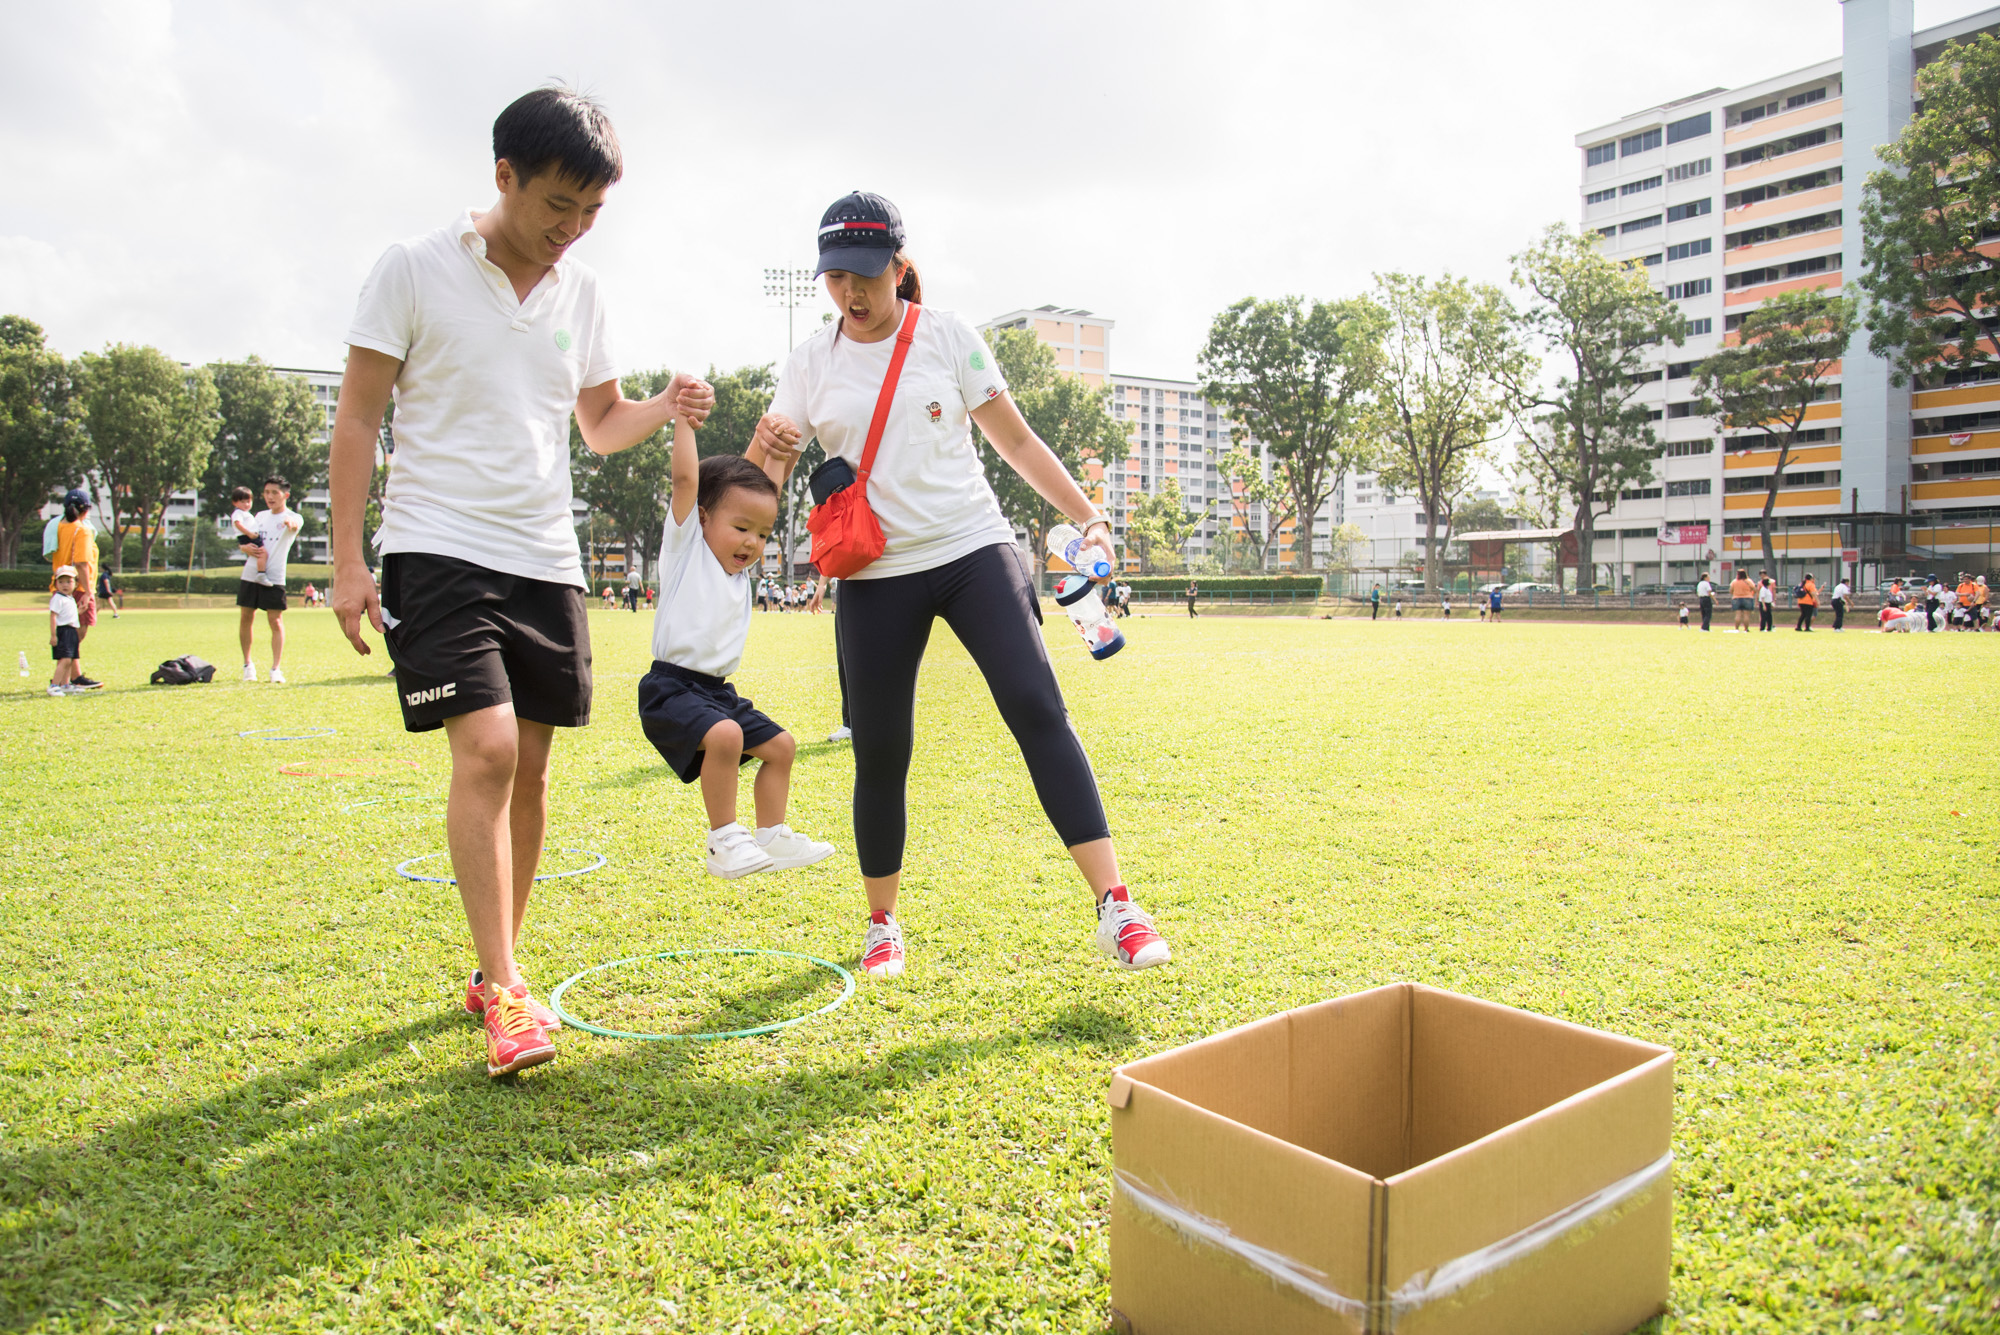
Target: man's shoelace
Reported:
point(514, 1015)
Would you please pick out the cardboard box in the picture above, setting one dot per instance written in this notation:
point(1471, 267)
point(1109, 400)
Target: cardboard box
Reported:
point(1404, 1160)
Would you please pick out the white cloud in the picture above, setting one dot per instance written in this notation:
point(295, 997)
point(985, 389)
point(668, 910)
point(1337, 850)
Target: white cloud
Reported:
point(216, 178)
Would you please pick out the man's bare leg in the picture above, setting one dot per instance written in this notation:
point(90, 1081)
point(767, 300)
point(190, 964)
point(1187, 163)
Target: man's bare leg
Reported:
point(245, 625)
point(528, 812)
point(485, 761)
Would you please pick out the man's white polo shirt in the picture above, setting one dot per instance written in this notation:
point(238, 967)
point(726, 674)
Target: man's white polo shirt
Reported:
point(481, 469)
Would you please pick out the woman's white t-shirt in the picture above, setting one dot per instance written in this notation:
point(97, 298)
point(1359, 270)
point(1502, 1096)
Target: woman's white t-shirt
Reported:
point(928, 489)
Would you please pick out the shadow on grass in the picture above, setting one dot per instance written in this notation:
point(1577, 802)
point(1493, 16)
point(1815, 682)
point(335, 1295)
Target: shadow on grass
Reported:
point(364, 679)
point(333, 1158)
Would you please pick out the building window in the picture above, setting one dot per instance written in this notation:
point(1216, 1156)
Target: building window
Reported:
point(1636, 187)
point(1640, 224)
point(1954, 424)
point(1599, 154)
point(1818, 222)
point(1694, 208)
point(1968, 467)
point(1650, 260)
point(1756, 194)
point(1600, 197)
point(1699, 167)
point(1681, 409)
point(1680, 370)
point(1778, 148)
point(1694, 127)
point(1639, 143)
point(1806, 98)
point(1694, 486)
point(1687, 250)
point(1607, 231)
point(1694, 287)
point(1684, 449)
point(1704, 325)
point(1777, 273)
point(1977, 375)
point(1640, 494)
point(1744, 115)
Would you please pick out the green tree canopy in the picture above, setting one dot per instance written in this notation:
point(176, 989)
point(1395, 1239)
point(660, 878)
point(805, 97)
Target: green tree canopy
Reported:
point(1299, 379)
point(1451, 353)
point(1930, 219)
point(1242, 472)
point(1158, 526)
point(152, 423)
point(1777, 371)
point(271, 425)
point(1073, 419)
point(40, 437)
point(1597, 319)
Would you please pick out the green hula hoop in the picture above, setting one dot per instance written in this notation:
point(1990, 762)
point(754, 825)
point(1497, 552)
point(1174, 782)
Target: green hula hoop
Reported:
point(403, 867)
point(846, 991)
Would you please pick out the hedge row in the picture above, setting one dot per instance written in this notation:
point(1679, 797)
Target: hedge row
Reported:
point(1225, 583)
point(36, 578)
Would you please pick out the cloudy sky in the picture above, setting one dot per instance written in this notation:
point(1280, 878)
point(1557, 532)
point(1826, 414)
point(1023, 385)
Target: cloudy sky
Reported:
point(216, 178)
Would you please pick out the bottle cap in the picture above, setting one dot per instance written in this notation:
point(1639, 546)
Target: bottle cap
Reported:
point(1072, 589)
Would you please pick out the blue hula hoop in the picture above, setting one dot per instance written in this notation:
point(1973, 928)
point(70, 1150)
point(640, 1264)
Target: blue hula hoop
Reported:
point(376, 801)
point(846, 991)
point(403, 867)
point(272, 734)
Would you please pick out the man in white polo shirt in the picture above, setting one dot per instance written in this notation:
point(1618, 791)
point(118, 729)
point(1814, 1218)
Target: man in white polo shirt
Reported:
point(489, 336)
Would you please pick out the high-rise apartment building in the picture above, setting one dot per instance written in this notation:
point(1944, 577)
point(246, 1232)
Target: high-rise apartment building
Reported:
point(1174, 433)
point(1730, 197)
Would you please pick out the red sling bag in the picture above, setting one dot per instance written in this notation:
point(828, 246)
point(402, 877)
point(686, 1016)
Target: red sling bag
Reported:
point(846, 536)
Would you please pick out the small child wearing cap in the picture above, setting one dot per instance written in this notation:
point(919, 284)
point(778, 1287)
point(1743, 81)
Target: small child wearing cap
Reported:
point(245, 524)
point(1684, 616)
point(65, 633)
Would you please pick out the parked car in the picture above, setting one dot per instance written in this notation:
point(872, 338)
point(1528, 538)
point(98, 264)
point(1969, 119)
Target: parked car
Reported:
point(1529, 586)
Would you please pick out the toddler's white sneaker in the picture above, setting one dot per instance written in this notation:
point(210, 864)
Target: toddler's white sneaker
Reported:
point(788, 848)
point(732, 852)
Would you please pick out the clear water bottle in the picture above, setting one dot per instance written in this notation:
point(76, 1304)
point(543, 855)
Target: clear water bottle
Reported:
point(1066, 544)
point(1077, 596)
point(24, 662)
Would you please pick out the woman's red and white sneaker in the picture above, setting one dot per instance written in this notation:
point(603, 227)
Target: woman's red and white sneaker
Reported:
point(475, 1000)
point(882, 949)
point(514, 1039)
point(1125, 932)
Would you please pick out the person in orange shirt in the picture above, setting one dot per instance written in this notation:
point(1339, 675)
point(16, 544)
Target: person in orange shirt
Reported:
point(76, 547)
point(1967, 593)
point(1808, 603)
point(1743, 598)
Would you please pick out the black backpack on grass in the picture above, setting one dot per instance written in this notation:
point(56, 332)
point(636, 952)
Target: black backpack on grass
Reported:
point(183, 671)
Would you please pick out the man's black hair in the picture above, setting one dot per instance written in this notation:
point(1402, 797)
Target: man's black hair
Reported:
point(722, 473)
point(275, 481)
point(558, 128)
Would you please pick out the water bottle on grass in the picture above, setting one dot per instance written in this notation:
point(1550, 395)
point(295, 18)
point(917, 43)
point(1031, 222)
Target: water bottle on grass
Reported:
point(24, 662)
point(1066, 545)
point(1077, 596)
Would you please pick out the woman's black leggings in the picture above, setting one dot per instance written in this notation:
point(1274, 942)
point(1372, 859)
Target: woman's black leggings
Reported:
point(988, 600)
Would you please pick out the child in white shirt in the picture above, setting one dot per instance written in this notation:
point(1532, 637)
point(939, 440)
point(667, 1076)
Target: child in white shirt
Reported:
point(721, 514)
point(244, 521)
point(65, 632)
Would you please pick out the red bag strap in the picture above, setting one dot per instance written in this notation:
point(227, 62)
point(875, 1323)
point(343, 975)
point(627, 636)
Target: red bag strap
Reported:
point(904, 335)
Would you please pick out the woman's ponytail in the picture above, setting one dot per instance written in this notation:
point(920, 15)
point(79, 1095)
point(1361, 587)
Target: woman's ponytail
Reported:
point(910, 287)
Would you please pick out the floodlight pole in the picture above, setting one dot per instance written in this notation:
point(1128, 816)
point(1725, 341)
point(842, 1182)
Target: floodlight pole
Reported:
point(790, 288)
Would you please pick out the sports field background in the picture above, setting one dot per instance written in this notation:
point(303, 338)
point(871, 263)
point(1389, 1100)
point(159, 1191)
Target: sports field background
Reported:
point(236, 1092)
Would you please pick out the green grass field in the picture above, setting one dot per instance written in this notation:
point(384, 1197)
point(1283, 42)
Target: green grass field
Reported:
point(236, 1091)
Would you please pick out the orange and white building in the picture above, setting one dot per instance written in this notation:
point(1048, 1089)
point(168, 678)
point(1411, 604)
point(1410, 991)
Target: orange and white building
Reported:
point(1730, 197)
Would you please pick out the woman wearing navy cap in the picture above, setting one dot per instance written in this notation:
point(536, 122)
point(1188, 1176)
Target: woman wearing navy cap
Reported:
point(948, 552)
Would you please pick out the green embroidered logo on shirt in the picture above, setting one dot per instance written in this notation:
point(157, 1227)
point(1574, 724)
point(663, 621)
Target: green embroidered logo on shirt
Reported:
point(978, 361)
point(563, 340)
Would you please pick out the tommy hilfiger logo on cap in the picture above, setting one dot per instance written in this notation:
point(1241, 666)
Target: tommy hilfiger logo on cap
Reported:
point(859, 233)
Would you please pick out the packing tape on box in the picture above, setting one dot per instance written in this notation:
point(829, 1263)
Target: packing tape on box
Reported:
point(1423, 1288)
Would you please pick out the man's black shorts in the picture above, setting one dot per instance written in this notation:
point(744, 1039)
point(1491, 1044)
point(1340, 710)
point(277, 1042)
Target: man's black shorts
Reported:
point(677, 707)
point(464, 638)
point(264, 597)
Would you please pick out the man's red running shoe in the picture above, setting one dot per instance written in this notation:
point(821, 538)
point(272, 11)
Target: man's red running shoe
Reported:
point(475, 1000)
point(514, 1040)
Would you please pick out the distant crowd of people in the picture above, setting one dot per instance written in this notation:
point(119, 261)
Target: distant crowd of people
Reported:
point(1940, 606)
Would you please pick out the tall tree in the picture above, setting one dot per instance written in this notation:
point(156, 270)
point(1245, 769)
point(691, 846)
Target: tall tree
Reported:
point(1451, 352)
point(1242, 472)
point(1300, 379)
point(152, 423)
point(1597, 318)
point(1930, 218)
point(1159, 526)
point(271, 424)
point(40, 436)
point(1073, 419)
point(1769, 381)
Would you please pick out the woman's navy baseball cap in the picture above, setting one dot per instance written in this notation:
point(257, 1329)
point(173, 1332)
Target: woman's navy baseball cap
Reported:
point(859, 233)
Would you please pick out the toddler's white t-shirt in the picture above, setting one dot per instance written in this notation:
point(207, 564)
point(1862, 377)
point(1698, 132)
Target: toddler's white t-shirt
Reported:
point(64, 606)
point(928, 489)
point(704, 612)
